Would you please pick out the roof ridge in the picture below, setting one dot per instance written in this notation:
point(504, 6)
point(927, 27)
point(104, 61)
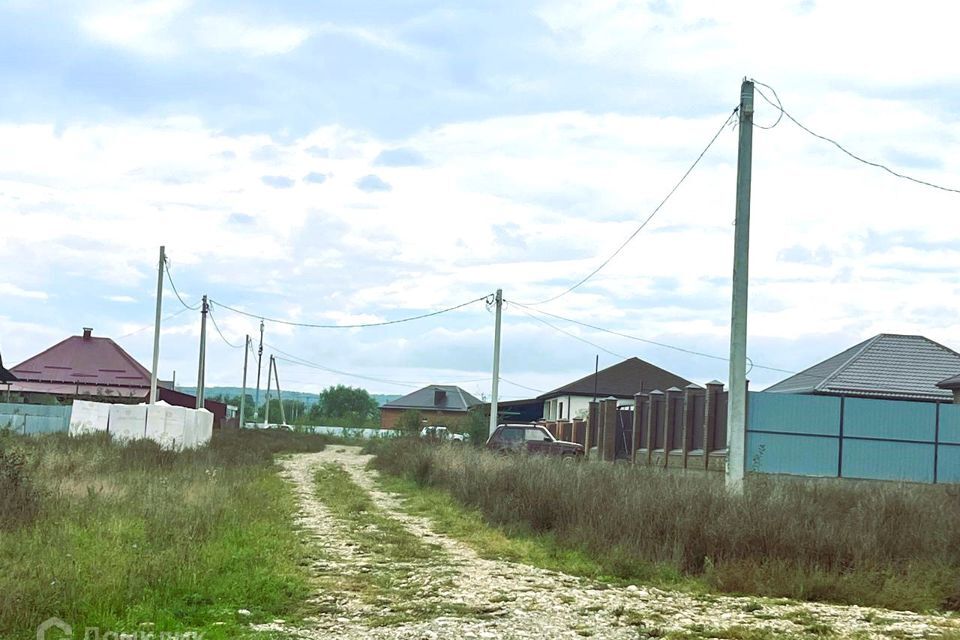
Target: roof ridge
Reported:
point(836, 372)
point(123, 352)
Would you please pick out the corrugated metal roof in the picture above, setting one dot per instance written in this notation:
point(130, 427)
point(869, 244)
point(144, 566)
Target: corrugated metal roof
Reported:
point(84, 360)
point(622, 380)
point(885, 366)
point(454, 399)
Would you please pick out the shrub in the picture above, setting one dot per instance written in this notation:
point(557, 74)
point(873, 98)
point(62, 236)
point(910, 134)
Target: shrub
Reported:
point(19, 498)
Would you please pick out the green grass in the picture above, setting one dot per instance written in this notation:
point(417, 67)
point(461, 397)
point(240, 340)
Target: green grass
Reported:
point(132, 538)
point(871, 544)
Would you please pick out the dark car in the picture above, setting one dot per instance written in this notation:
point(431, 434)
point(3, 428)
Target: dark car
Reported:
point(531, 438)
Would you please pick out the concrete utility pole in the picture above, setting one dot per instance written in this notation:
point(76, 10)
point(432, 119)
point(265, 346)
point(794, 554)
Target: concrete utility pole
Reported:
point(202, 370)
point(737, 404)
point(243, 391)
point(156, 327)
point(496, 364)
point(276, 377)
point(256, 398)
point(266, 408)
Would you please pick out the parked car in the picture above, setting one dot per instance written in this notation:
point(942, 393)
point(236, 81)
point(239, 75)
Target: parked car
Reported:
point(531, 438)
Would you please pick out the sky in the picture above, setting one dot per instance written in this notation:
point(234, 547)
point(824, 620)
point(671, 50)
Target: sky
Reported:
point(357, 162)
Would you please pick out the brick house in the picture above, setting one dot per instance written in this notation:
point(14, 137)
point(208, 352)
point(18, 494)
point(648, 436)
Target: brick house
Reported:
point(438, 404)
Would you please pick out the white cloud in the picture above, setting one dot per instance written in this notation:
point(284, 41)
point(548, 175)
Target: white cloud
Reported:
point(9, 289)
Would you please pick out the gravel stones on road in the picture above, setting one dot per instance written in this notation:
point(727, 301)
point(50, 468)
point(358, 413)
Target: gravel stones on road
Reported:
point(478, 598)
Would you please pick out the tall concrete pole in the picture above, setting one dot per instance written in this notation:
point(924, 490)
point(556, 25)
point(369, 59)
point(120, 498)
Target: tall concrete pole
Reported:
point(156, 327)
point(496, 364)
point(243, 390)
point(202, 369)
point(276, 377)
point(737, 402)
point(266, 408)
point(256, 398)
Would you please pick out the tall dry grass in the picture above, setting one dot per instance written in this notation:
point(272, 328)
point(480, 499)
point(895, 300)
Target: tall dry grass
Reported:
point(878, 544)
point(132, 537)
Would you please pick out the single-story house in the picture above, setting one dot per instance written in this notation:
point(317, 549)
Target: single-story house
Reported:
point(85, 367)
point(622, 381)
point(887, 366)
point(438, 404)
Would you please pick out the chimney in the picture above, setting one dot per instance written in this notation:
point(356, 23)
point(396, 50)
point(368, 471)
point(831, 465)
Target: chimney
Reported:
point(87, 331)
point(439, 397)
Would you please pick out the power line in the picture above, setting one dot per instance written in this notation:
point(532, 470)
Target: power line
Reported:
point(344, 373)
point(648, 218)
point(653, 342)
point(220, 333)
point(522, 386)
point(572, 335)
point(351, 326)
point(150, 326)
point(779, 106)
point(166, 267)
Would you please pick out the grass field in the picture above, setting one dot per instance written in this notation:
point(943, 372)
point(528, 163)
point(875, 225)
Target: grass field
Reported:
point(134, 539)
point(873, 544)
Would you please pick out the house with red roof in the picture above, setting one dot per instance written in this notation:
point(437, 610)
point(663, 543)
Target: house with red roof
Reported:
point(87, 367)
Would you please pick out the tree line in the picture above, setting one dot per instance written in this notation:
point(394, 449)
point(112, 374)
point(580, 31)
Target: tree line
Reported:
point(339, 406)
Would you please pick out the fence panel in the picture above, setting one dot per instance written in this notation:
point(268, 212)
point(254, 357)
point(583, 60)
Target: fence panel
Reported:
point(698, 407)
point(34, 418)
point(889, 419)
point(798, 435)
point(887, 460)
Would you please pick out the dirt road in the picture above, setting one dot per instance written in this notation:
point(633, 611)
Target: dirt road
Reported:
point(460, 595)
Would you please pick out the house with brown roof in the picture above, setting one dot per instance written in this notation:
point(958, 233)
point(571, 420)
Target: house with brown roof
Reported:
point(437, 404)
point(87, 367)
point(622, 381)
point(887, 366)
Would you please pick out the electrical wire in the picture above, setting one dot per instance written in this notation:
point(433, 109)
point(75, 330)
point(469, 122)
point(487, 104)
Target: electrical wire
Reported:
point(166, 267)
point(344, 373)
point(353, 326)
point(650, 217)
point(220, 333)
point(150, 326)
point(522, 386)
point(572, 335)
point(654, 342)
point(839, 146)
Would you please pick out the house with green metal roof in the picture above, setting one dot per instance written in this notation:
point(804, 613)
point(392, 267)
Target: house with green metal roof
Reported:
point(887, 366)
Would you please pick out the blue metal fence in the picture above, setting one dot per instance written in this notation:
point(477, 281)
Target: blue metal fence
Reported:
point(853, 438)
point(34, 418)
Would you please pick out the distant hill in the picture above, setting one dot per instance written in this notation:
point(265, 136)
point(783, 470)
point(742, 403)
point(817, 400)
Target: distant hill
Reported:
point(306, 398)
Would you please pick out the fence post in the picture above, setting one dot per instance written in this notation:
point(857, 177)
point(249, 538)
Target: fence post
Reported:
point(714, 389)
point(593, 415)
point(608, 441)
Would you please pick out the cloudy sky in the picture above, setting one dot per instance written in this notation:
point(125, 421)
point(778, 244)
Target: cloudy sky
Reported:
point(349, 162)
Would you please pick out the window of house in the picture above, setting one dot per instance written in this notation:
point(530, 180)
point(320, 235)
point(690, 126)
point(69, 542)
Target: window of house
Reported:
point(560, 413)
